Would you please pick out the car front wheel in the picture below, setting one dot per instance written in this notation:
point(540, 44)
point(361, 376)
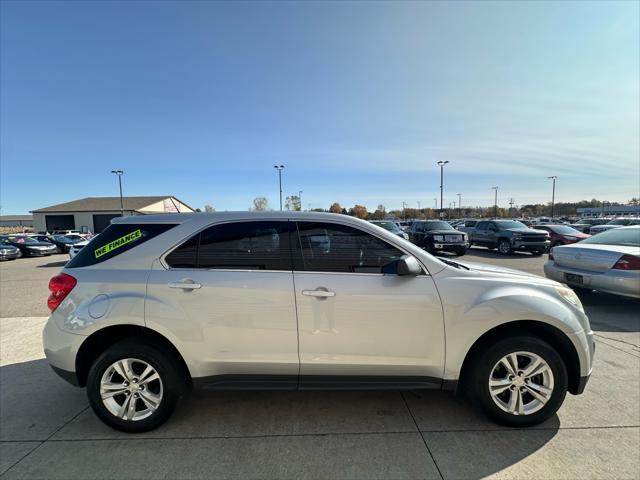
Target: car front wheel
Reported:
point(133, 387)
point(504, 247)
point(520, 381)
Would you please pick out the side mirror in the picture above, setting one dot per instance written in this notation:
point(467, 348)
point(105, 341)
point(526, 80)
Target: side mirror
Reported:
point(408, 265)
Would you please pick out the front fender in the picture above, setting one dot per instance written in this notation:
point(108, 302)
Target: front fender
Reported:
point(466, 322)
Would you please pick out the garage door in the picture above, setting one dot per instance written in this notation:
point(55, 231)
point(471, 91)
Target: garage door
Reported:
point(102, 221)
point(60, 222)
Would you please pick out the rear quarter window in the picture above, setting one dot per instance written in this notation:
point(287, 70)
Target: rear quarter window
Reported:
point(116, 239)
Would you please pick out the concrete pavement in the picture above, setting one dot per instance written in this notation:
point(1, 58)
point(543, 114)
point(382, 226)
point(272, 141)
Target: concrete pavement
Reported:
point(47, 430)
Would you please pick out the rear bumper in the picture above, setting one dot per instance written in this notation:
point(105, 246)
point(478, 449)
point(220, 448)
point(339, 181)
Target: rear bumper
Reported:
point(61, 348)
point(621, 282)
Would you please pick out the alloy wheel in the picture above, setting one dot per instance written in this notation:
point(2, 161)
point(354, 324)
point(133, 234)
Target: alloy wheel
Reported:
point(131, 389)
point(521, 383)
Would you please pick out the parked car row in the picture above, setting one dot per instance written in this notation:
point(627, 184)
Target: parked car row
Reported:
point(30, 245)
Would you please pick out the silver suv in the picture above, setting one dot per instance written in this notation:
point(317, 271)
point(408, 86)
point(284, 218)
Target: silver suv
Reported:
point(159, 304)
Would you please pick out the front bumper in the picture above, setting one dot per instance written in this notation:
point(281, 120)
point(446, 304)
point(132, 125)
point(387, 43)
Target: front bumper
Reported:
point(450, 246)
point(616, 282)
point(523, 245)
point(9, 255)
point(41, 253)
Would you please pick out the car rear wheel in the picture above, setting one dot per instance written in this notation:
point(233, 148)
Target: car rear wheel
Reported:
point(520, 381)
point(504, 247)
point(133, 387)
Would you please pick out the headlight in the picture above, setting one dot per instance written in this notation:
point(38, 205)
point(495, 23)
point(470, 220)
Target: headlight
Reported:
point(438, 238)
point(570, 238)
point(405, 236)
point(570, 296)
point(517, 237)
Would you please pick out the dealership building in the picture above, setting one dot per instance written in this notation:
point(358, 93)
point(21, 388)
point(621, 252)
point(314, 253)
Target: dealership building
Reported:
point(16, 220)
point(610, 211)
point(93, 214)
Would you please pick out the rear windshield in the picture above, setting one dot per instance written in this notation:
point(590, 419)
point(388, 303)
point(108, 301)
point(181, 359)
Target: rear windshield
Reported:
point(117, 238)
point(628, 237)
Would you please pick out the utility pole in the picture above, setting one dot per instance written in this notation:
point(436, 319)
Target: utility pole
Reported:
point(495, 204)
point(280, 168)
point(404, 210)
point(459, 204)
point(553, 196)
point(119, 173)
point(511, 202)
point(300, 199)
point(441, 164)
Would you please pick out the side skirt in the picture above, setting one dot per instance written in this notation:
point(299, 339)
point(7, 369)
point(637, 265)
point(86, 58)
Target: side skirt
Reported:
point(315, 382)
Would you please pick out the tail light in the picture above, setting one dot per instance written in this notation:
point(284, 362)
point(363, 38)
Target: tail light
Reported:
point(60, 286)
point(627, 262)
point(550, 254)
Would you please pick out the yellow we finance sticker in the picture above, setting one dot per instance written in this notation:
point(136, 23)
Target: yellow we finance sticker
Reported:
point(118, 242)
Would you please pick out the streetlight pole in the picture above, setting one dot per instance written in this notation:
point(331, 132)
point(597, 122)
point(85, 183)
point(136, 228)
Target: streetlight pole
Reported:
point(119, 174)
point(442, 164)
point(280, 168)
point(300, 199)
point(553, 196)
point(459, 204)
point(495, 204)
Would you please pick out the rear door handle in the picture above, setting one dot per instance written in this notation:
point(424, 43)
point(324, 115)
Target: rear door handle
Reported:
point(185, 285)
point(318, 293)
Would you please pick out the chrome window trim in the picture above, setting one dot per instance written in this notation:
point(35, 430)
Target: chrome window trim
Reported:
point(166, 266)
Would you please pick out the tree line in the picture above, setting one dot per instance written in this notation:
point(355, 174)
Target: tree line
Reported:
point(566, 209)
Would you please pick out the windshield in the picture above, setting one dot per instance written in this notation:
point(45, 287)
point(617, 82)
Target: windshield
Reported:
point(628, 237)
point(391, 226)
point(621, 221)
point(25, 240)
point(437, 226)
point(510, 224)
point(562, 230)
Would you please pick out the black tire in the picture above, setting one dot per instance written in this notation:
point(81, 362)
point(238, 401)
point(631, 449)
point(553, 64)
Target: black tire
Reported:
point(487, 359)
point(460, 253)
point(537, 252)
point(504, 247)
point(164, 366)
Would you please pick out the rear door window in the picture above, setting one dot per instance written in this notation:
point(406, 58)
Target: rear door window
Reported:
point(260, 245)
point(117, 238)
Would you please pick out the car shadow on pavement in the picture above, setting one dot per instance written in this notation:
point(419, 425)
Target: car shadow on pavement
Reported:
point(611, 313)
point(59, 264)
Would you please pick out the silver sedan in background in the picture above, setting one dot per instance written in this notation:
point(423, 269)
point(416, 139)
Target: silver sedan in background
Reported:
point(608, 262)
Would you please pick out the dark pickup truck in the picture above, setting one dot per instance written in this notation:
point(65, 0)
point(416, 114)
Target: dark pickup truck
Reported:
point(507, 236)
point(438, 236)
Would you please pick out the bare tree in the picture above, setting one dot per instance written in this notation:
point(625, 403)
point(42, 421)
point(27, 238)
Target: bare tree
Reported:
point(260, 204)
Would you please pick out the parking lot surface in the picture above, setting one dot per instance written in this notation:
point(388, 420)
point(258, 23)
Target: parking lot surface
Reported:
point(48, 431)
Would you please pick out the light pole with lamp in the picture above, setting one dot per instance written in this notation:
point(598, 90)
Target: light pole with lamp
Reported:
point(553, 196)
point(119, 173)
point(300, 198)
point(441, 164)
point(280, 168)
point(495, 204)
point(459, 204)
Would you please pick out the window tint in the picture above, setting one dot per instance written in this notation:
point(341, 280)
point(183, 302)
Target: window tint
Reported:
point(328, 247)
point(186, 255)
point(117, 238)
point(470, 223)
point(238, 245)
point(482, 225)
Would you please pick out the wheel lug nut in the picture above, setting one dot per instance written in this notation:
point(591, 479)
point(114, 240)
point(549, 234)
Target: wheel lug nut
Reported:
point(135, 395)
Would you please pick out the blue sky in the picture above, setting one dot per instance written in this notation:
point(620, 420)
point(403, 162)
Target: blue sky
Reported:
point(359, 101)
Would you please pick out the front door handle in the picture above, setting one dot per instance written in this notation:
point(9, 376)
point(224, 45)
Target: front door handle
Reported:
point(318, 293)
point(185, 285)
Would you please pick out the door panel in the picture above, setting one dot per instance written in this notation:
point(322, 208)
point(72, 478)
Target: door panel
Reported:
point(237, 322)
point(374, 325)
point(353, 319)
point(227, 300)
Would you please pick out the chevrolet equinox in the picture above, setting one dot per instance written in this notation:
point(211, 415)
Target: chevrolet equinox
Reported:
point(158, 304)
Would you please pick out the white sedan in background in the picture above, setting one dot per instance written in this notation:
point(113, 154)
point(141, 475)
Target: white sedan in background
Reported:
point(608, 262)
